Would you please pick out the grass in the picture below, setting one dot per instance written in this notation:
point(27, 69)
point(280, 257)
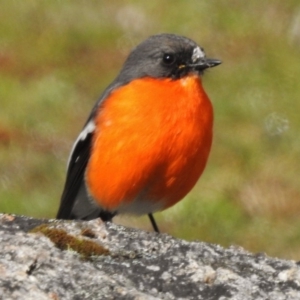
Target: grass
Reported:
point(56, 57)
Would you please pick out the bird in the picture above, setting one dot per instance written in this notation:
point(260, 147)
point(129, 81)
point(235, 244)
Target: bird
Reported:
point(147, 139)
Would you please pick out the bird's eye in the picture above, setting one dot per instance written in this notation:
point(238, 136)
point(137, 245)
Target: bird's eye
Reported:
point(169, 59)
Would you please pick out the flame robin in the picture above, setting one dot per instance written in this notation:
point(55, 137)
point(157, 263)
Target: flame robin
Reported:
point(148, 137)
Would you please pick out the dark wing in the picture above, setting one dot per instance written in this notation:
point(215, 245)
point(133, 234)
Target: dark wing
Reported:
point(74, 184)
point(75, 202)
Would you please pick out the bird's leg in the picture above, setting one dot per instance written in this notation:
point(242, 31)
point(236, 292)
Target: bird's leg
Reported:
point(154, 225)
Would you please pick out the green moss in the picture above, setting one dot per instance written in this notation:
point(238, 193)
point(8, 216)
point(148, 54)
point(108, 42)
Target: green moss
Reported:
point(88, 233)
point(65, 241)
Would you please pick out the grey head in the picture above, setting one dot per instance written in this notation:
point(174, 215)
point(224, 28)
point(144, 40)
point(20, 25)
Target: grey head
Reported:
point(165, 56)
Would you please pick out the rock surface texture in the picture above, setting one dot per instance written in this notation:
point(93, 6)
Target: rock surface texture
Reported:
point(49, 259)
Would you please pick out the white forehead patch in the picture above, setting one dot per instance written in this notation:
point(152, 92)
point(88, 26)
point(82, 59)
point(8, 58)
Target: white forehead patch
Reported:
point(197, 54)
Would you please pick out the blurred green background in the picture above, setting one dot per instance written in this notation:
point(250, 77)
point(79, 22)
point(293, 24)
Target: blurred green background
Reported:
point(56, 57)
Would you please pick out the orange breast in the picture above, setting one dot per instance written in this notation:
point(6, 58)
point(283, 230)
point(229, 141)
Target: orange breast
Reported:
point(151, 144)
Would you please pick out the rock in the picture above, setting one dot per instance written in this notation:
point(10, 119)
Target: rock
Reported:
point(50, 259)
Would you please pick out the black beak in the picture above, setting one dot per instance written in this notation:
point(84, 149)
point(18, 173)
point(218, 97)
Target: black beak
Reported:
point(205, 63)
